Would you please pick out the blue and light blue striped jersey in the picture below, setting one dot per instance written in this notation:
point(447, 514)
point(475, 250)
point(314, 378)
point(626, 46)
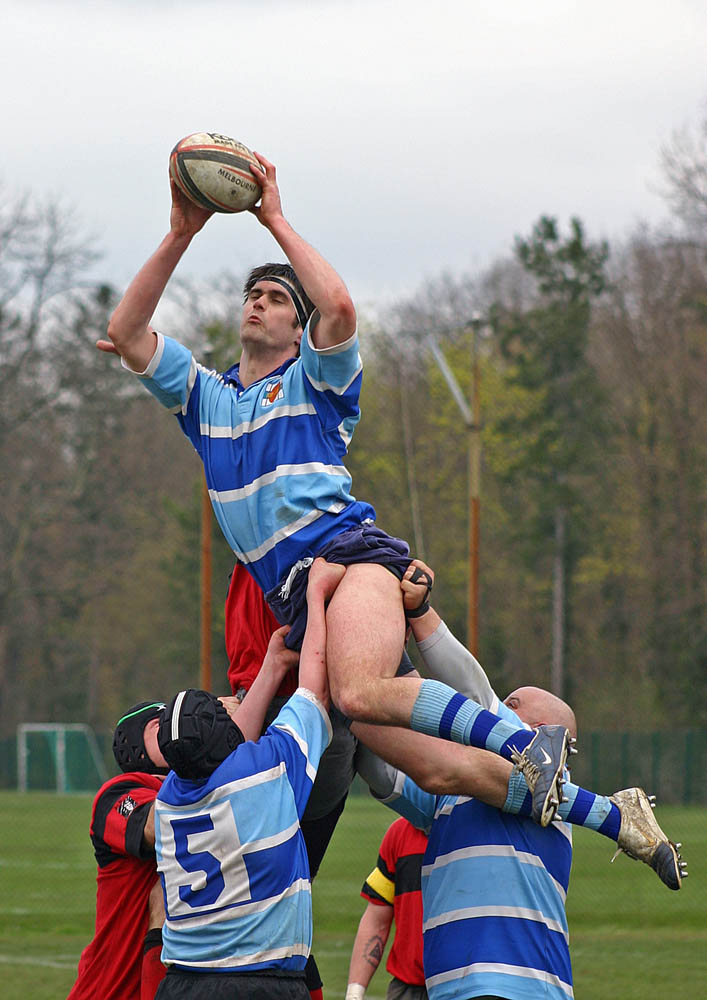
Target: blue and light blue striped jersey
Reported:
point(494, 888)
point(231, 854)
point(272, 452)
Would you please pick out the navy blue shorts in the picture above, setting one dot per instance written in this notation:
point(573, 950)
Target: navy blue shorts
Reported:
point(266, 984)
point(363, 544)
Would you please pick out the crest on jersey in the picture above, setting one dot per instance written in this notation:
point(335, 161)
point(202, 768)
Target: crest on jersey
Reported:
point(273, 391)
point(126, 806)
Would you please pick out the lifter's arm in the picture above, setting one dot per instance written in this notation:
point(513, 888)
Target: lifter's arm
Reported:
point(438, 766)
point(148, 831)
point(324, 578)
point(445, 658)
point(250, 713)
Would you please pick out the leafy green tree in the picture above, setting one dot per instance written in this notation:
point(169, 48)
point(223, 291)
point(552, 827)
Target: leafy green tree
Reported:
point(651, 341)
point(558, 434)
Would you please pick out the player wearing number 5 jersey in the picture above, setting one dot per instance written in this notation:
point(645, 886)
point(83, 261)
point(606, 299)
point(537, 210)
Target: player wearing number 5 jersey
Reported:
point(230, 850)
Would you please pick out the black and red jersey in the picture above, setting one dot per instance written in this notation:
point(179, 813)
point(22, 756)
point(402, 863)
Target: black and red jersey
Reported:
point(395, 881)
point(109, 967)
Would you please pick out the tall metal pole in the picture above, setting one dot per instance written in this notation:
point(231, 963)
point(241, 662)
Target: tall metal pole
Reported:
point(474, 493)
point(472, 420)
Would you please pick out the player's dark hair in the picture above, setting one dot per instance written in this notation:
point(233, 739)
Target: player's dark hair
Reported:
point(129, 738)
point(304, 306)
point(196, 734)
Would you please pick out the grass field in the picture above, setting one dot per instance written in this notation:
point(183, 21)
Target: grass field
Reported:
point(630, 936)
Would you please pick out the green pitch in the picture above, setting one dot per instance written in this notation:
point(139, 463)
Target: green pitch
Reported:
point(630, 936)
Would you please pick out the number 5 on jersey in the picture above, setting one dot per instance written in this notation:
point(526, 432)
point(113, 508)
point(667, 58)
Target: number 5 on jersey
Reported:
point(200, 862)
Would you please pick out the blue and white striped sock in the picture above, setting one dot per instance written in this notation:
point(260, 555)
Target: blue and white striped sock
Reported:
point(596, 812)
point(583, 808)
point(519, 801)
point(441, 711)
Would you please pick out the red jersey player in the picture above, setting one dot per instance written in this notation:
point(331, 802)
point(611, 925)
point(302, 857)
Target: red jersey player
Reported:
point(394, 894)
point(122, 962)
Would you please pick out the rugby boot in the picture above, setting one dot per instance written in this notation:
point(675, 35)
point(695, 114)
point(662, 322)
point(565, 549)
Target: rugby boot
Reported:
point(542, 764)
point(643, 840)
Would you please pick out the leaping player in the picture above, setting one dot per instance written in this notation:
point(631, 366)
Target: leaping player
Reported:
point(282, 496)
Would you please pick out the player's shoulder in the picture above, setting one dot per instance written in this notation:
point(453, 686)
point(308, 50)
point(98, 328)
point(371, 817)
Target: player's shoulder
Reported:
point(403, 837)
point(397, 830)
point(119, 814)
point(302, 729)
point(124, 792)
point(302, 704)
point(121, 784)
point(413, 803)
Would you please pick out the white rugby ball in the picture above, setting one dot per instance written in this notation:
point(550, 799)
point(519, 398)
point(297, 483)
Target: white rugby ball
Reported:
point(213, 171)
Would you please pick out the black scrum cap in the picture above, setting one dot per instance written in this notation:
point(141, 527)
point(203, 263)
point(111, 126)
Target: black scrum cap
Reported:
point(129, 738)
point(196, 734)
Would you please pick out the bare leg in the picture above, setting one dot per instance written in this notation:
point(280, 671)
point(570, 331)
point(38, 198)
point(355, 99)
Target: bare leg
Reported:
point(365, 636)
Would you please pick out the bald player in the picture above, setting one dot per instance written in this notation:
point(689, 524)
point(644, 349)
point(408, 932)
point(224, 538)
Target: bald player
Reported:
point(493, 883)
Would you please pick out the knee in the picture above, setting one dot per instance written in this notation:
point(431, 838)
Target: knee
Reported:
point(355, 701)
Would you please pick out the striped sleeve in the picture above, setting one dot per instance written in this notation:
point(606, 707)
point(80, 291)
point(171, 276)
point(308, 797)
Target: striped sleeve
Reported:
point(333, 380)
point(379, 887)
point(119, 817)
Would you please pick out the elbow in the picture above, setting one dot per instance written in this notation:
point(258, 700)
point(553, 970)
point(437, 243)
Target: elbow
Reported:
point(436, 776)
point(348, 313)
point(353, 702)
point(124, 332)
point(115, 334)
point(342, 310)
point(430, 780)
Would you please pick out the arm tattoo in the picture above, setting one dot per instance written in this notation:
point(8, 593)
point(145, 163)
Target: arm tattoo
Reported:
point(373, 951)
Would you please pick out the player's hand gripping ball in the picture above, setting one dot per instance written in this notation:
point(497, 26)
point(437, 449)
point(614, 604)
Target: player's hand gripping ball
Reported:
point(214, 172)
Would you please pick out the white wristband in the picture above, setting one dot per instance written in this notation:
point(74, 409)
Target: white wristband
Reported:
point(354, 991)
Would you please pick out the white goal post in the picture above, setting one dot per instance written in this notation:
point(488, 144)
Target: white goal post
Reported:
point(54, 738)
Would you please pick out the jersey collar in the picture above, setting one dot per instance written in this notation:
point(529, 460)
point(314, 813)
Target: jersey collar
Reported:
point(232, 377)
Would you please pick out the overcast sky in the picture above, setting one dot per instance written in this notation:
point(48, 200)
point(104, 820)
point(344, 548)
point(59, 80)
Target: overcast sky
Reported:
point(410, 137)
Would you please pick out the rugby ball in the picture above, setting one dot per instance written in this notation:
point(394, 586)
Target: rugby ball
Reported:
point(213, 171)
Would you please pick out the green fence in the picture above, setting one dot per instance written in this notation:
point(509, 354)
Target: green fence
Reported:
point(672, 766)
point(44, 758)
